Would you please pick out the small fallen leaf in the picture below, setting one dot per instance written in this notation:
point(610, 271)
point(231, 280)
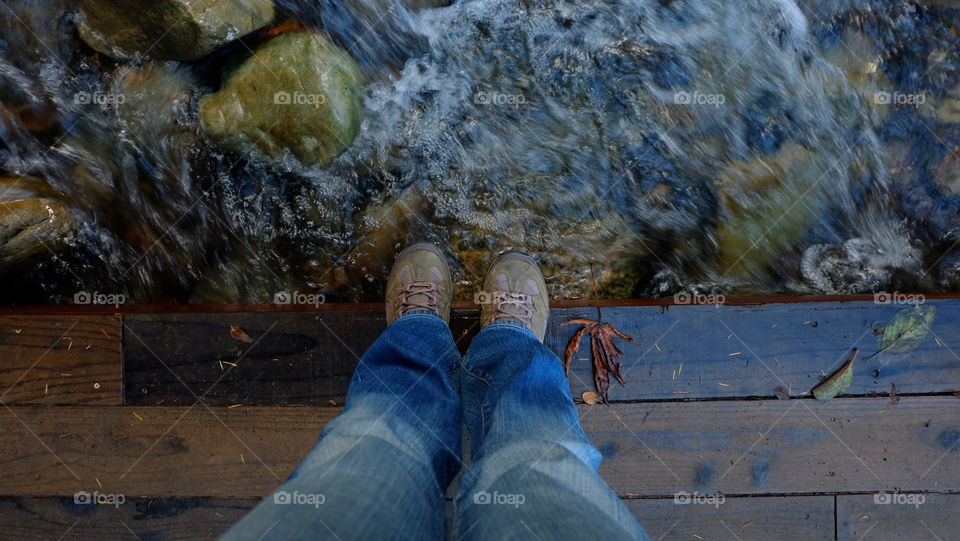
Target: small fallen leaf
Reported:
point(238, 334)
point(906, 329)
point(838, 382)
point(590, 397)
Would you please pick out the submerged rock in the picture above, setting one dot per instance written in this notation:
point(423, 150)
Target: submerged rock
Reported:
point(30, 227)
point(298, 92)
point(169, 29)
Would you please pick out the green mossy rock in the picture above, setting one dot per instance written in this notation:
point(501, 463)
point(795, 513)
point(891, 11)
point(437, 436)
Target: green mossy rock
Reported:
point(297, 92)
point(169, 29)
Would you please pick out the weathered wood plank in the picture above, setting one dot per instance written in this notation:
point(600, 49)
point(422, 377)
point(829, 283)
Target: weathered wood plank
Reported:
point(763, 518)
point(903, 517)
point(167, 519)
point(744, 351)
point(60, 360)
point(778, 446)
point(733, 447)
point(725, 352)
point(294, 358)
point(182, 519)
point(154, 452)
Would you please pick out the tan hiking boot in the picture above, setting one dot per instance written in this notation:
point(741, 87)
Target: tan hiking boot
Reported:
point(514, 290)
point(420, 280)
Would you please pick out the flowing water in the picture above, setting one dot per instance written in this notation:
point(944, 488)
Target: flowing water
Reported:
point(639, 148)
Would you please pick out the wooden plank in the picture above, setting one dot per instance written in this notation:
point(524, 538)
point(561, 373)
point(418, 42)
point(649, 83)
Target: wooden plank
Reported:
point(296, 358)
point(60, 360)
point(762, 518)
point(904, 517)
point(778, 446)
point(651, 450)
point(168, 519)
point(182, 519)
point(682, 352)
point(293, 359)
point(153, 452)
point(748, 351)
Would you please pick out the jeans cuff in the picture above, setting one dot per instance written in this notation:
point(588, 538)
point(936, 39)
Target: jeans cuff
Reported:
point(419, 313)
point(515, 325)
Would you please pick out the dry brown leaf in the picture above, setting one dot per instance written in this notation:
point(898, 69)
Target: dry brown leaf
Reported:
point(238, 334)
point(603, 351)
point(590, 397)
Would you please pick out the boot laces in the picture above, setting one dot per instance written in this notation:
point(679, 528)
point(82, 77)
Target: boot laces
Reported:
point(512, 305)
point(428, 292)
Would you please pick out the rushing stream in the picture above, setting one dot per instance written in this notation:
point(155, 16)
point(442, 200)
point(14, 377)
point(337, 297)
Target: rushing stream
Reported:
point(637, 147)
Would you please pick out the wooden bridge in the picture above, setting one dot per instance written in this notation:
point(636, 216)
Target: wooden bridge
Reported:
point(714, 436)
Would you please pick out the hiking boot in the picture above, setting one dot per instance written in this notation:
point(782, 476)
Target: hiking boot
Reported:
point(514, 290)
point(420, 280)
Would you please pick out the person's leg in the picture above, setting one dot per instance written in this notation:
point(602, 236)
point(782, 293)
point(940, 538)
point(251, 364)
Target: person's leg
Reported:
point(534, 471)
point(380, 469)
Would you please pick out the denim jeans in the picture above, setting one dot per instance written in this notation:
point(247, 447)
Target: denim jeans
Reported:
point(381, 468)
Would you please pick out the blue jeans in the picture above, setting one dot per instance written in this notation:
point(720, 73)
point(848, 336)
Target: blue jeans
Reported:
point(381, 468)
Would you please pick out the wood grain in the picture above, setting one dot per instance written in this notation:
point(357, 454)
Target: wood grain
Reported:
point(60, 360)
point(154, 452)
point(929, 516)
point(748, 351)
point(293, 359)
point(778, 446)
point(651, 450)
point(167, 519)
point(194, 519)
point(681, 352)
point(761, 519)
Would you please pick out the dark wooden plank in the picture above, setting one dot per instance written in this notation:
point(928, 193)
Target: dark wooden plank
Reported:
point(763, 518)
point(293, 359)
point(725, 352)
point(153, 452)
point(907, 517)
point(60, 360)
point(166, 519)
point(778, 446)
point(745, 351)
